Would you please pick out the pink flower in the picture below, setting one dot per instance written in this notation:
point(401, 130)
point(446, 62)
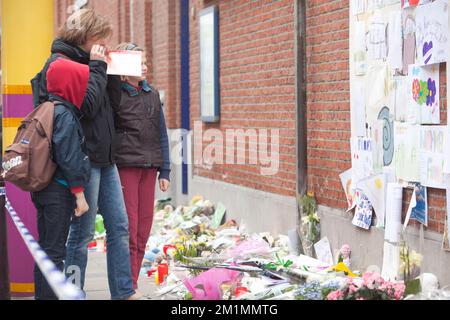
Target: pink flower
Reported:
point(335, 295)
point(352, 288)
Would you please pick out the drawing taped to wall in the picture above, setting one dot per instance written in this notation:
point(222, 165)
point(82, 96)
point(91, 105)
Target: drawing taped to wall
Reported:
point(388, 135)
point(432, 157)
point(424, 93)
point(432, 33)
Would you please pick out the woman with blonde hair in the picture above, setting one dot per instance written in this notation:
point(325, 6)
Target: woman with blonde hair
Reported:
point(83, 38)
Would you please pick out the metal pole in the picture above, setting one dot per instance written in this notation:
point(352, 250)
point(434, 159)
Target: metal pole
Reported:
point(5, 293)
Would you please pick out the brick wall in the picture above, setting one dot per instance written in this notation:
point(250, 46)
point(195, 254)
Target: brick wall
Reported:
point(329, 108)
point(257, 84)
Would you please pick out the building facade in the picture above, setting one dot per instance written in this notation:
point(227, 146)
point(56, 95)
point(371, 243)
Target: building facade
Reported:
point(271, 53)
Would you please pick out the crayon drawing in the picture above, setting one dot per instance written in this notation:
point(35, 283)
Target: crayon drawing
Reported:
point(424, 93)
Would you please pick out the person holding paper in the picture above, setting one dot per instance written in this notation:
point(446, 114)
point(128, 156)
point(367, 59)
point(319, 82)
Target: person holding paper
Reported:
point(83, 39)
point(142, 152)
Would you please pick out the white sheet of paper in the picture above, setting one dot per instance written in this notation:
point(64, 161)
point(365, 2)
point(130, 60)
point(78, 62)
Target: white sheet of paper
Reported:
point(399, 97)
point(358, 6)
point(393, 212)
point(432, 156)
point(412, 204)
point(125, 63)
point(377, 46)
point(432, 32)
point(358, 109)
point(359, 48)
point(362, 157)
point(391, 261)
point(376, 131)
point(377, 79)
point(323, 251)
point(395, 40)
point(406, 153)
point(374, 189)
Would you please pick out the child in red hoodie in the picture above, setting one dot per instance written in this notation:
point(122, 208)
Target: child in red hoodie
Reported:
point(64, 196)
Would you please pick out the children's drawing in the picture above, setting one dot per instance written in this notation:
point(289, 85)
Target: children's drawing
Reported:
point(432, 156)
point(413, 3)
point(377, 84)
point(424, 94)
point(399, 98)
point(359, 50)
point(432, 33)
point(409, 39)
point(395, 41)
point(363, 212)
point(375, 190)
point(377, 141)
point(406, 154)
point(377, 38)
point(388, 135)
point(349, 188)
point(362, 162)
point(359, 6)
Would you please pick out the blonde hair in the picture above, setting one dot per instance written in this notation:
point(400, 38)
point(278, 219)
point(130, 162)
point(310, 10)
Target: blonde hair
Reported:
point(85, 24)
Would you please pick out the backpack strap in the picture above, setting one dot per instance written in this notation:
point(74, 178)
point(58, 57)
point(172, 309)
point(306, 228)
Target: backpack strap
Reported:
point(39, 82)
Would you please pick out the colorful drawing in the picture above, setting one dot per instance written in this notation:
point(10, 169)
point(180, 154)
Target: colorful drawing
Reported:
point(413, 3)
point(388, 135)
point(363, 212)
point(432, 156)
point(406, 154)
point(424, 94)
point(432, 33)
point(375, 190)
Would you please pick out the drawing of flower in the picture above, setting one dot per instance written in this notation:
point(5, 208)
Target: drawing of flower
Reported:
point(431, 92)
point(423, 92)
point(415, 89)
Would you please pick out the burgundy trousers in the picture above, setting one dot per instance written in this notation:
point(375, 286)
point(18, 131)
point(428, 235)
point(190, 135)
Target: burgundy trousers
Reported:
point(138, 185)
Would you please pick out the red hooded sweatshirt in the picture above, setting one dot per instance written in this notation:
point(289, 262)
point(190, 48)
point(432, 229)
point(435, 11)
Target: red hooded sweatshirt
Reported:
point(68, 80)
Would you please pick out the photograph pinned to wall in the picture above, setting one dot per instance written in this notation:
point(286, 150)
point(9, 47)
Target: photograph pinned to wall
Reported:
point(362, 161)
point(375, 189)
point(406, 154)
point(395, 41)
point(424, 93)
point(399, 98)
point(377, 46)
point(359, 49)
point(358, 109)
point(378, 80)
point(409, 39)
point(349, 187)
point(432, 157)
point(432, 33)
point(388, 135)
point(419, 211)
point(359, 7)
point(363, 212)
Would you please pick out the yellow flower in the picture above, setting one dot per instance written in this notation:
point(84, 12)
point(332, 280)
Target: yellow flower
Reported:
point(310, 194)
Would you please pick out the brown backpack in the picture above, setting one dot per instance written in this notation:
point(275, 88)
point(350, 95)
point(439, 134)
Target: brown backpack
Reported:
point(28, 163)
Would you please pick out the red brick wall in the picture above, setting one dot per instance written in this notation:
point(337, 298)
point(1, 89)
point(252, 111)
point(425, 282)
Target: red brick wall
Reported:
point(328, 109)
point(257, 84)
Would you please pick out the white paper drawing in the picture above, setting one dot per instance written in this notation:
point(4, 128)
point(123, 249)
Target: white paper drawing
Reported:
point(395, 40)
point(432, 157)
point(377, 38)
point(406, 154)
point(323, 251)
point(374, 189)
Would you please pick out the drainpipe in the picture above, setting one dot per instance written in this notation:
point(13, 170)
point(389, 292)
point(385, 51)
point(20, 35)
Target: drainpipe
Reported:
point(301, 123)
point(132, 20)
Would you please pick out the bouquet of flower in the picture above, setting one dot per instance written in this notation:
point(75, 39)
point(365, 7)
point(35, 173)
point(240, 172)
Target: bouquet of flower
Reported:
point(371, 287)
point(410, 262)
point(310, 228)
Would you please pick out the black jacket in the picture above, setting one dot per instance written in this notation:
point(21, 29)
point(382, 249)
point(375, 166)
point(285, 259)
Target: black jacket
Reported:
point(97, 120)
point(68, 146)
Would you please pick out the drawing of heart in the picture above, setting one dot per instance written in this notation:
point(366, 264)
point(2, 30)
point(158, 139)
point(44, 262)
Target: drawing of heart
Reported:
point(427, 46)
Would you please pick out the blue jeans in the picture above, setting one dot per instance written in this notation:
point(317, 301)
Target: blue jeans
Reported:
point(104, 189)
